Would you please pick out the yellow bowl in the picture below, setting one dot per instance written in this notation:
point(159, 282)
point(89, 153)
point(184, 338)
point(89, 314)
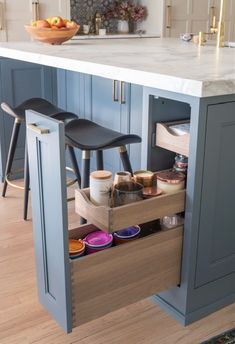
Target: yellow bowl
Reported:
point(51, 36)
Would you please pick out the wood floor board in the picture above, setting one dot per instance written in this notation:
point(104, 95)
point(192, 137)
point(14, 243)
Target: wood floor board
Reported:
point(24, 321)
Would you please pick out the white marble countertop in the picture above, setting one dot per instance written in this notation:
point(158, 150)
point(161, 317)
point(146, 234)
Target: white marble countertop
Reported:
point(167, 64)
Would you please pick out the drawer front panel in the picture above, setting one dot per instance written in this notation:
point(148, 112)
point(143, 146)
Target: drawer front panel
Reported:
point(122, 275)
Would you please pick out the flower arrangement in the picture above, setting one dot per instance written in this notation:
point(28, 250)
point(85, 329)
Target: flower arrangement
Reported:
point(127, 10)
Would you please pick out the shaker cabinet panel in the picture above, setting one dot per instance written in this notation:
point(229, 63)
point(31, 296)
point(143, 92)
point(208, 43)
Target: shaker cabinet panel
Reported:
point(216, 248)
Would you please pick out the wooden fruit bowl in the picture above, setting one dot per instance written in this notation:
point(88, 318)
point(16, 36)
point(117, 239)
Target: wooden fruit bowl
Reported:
point(51, 36)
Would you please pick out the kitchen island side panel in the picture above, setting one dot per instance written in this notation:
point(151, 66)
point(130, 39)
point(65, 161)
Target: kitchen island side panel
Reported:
point(208, 278)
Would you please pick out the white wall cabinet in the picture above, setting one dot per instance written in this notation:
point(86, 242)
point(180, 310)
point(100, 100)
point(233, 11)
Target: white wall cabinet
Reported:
point(181, 16)
point(15, 14)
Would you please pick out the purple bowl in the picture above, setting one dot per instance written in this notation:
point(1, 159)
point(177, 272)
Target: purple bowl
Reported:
point(128, 233)
point(98, 239)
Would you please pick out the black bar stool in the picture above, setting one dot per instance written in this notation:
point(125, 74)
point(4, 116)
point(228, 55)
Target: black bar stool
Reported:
point(89, 136)
point(46, 108)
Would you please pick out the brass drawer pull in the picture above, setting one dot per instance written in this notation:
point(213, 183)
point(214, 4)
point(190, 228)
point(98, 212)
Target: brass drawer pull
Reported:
point(41, 131)
point(114, 91)
point(168, 16)
point(1, 16)
point(122, 92)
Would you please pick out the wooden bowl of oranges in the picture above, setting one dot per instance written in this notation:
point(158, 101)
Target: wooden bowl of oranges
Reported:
point(53, 30)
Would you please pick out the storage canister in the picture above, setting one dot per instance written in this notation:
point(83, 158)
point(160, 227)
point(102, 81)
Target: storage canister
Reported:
point(100, 187)
point(170, 181)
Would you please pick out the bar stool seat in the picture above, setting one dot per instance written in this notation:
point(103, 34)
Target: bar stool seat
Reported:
point(90, 136)
point(46, 108)
point(40, 105)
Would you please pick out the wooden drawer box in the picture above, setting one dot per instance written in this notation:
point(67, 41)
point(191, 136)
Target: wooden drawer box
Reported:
point(111, 219)
point(167, 139)
point(122, 275)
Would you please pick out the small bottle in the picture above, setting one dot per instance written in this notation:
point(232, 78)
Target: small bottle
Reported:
point(101, 183)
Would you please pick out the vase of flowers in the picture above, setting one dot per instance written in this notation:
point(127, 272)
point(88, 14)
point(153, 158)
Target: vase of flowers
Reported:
point(126, 11)
point(123, 26)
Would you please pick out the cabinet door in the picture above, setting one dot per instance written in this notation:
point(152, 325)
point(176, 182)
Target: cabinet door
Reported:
point(18, 13)
point(216, 248)
point(187, 16)
point(50, 222)
point(109, 113)
point(21, 81)
point(229, 18)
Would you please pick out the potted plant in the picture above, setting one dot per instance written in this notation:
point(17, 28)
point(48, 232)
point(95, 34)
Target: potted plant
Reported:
point(126, 11)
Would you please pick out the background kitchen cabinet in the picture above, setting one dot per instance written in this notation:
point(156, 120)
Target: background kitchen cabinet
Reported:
point(196, 15)
point(20, 81)
point(186, 16)
point(15, 14)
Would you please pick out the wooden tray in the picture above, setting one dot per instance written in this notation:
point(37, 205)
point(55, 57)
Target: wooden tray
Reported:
point(165, 138)
point(111, 219)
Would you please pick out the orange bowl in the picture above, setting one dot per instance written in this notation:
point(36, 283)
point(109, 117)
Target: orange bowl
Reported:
point(51, 36)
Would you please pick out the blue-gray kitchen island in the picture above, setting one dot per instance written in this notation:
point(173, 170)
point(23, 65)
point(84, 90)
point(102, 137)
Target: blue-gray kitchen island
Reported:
point(130, 86)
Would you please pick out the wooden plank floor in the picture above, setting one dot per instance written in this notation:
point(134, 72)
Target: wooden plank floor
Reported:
point(24, 321)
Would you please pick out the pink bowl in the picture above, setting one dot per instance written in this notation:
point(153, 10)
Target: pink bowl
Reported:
point(98, 239)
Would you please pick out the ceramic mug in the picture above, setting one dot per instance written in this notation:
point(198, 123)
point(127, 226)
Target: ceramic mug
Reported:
point(128, 192)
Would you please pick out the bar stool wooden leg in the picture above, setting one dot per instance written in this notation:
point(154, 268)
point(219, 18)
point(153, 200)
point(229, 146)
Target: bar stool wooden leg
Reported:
point(75, 164)
point(85, 169)
point(125, 159)
point(11, 152)
point(26, 182)
point(99, 160)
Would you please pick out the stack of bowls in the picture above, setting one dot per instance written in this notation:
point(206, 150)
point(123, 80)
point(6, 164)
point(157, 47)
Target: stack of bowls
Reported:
point(126, 235)
point(98, 241)
point(76, 248)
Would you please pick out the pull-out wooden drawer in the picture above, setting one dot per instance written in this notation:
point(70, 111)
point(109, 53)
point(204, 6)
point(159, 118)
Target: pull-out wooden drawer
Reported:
point(167, 139)
point(121, 275)
point(111, 219)
point(75, 292)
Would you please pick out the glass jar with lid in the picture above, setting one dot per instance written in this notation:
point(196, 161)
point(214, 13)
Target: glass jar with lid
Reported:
point(170, 181)
point(101, 183)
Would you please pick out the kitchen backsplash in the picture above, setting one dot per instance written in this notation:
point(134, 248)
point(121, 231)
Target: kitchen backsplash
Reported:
point(83, 12)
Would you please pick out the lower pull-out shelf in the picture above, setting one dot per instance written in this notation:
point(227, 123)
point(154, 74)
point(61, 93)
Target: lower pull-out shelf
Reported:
point(122, 275)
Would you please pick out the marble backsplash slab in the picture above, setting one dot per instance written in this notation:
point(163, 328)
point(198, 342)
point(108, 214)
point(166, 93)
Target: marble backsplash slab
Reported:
point(83, 12)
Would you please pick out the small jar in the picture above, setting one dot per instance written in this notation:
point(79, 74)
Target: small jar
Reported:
point(181, 163)
point(100, 187)
point(170, 181)
point(144, 177)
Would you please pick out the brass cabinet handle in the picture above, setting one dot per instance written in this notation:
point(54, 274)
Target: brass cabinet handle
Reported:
point(168, 16)
point(35, 10)
point(122, 92)
point(114, 91)
point(1, 16)
point(41, 131)
point(212, 17)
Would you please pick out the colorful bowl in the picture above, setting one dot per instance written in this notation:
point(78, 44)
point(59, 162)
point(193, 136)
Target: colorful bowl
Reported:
point(126, 235)
point(76, 248)
point(98, 241)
